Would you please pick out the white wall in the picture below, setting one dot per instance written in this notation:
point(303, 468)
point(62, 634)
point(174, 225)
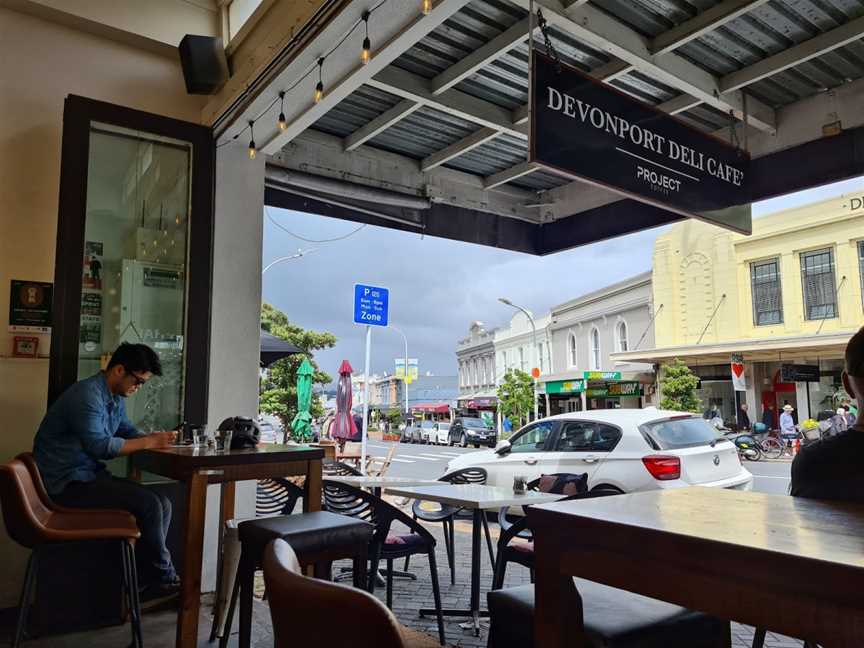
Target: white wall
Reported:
point(40, 64)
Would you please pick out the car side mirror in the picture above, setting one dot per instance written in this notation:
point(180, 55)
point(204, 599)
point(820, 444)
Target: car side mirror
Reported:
point(502, 447)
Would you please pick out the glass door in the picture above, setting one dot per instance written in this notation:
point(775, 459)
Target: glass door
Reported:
point(133, 254)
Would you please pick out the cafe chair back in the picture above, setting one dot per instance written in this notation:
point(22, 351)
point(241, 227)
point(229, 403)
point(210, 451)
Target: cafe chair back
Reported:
point(34, 521)
point(385, 544)
point(339, 469)
point(447, 514)
point(378, 466)
point(276, 496)
point(303, 609)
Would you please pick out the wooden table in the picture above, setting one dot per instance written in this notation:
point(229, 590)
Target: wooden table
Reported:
point(787, 564)
point(477, 498)
point(199, 467)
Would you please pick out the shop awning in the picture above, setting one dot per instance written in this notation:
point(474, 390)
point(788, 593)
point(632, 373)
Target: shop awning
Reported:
point(767, 350)
point(274, 348)
point(431, 408)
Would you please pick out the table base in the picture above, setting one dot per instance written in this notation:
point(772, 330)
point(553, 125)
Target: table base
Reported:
point(475, 616)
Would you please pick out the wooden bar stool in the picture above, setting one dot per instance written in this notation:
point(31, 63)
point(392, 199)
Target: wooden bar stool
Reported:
point(34, 521)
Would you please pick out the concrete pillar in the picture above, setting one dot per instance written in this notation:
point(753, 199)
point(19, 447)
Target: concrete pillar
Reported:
point(236, 315)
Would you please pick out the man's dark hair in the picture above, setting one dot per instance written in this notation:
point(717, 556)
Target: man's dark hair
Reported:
point(855, 355)
point(136, 358)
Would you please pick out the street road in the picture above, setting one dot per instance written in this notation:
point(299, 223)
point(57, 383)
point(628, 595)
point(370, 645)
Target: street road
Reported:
point(429, 461)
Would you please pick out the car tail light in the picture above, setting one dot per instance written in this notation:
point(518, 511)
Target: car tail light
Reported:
point(663, 467)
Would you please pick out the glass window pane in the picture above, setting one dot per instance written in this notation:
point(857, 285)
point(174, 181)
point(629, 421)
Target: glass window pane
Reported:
point(766, 293)
point(533, 438)
point(817, 276)
point(134, 267)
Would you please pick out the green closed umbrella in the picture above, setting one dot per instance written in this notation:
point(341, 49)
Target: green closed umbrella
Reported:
point(302, 423)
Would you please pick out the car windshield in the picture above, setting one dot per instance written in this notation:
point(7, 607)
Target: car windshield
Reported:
point(686, 432)
point(474, 423)
point(428, 424)
point(443, 426)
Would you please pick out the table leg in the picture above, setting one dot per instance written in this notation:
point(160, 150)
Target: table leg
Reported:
point(312, 496)
point(193, 553)
point(475, 569)
point(226, 512)
point(557, 605)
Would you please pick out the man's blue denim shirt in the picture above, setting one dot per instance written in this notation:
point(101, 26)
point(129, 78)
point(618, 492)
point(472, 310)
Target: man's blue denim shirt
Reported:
point(87, 423)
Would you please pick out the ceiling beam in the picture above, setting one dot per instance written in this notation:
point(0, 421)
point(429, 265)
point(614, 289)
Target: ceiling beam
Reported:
point(452, 102)
point(472, 141)
point(514, 172)
point(481, 57)
point(600, 30)
point(707, 21)
point(403, 39)
point(678, 104)
point(795, 55)
point(381, 123)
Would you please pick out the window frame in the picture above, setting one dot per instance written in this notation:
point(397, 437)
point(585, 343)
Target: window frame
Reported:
point(553, 433)
point(619, 325)
point(564, 423)
point(833, 271)
point(779, 280)
point(572, 351)
point(596, 352)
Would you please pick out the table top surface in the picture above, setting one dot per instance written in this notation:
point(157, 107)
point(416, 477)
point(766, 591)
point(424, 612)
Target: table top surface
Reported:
point(796, 527)
point(382, 481)
point(263, 453)
point(473, 496)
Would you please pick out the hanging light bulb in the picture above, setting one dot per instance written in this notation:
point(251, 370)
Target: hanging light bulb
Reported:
point(252, 150)
point(367, 44)
point(426, 7)
point(282, 123)
point(319, 88)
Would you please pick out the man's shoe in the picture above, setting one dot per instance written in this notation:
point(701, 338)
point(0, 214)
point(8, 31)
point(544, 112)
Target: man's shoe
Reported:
point(157, 593)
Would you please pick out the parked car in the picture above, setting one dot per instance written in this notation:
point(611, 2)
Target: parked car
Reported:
point(468, 430)
point(427, 432)
point(411, 433)
point(624, 449)
point(442, 433)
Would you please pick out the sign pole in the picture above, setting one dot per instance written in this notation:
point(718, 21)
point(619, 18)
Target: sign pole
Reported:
point(366, 400)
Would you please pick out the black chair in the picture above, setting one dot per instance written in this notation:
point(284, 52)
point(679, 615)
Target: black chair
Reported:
point(611, 618)
point(338, 469)
point(318, 539)
point(386, 545)
point(276, 496)
point(447, 514)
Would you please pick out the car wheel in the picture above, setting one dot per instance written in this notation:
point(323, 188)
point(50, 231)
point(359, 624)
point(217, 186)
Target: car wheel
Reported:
point(464, 443)
point(476, 445)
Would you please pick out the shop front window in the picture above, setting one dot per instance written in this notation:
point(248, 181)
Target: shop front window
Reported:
point(817, 276)
point(767, 296)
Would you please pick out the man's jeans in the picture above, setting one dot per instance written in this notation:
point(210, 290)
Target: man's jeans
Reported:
point(152, 512)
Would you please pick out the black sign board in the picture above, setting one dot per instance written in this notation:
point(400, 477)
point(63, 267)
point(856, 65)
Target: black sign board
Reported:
point(30, 306)
point(799, 373)
point(596, 133)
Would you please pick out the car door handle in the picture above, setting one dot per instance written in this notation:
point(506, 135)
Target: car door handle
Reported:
point(589, 459)
point(530, 462)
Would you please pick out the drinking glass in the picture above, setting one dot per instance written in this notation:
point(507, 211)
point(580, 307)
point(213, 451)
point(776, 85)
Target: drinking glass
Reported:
point(199, 440)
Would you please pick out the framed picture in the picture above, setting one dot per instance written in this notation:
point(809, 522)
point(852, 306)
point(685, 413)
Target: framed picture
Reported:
point(25, 347)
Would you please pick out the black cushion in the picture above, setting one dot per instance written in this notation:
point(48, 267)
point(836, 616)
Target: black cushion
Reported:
point(307, 533)
point(613, 618)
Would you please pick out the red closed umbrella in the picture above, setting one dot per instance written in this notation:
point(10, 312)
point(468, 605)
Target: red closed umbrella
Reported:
point(343, 426)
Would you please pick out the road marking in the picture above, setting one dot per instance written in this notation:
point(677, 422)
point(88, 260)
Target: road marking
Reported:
point(452, 454)
point(418, 457)
point(371, 445)
point(402, 460)
point(437, 456)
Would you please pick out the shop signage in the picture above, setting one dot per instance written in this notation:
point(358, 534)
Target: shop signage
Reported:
point(413, 369)
point(602, 375)
point(616, 390)
point(576, 386)
point(371, 305)
point(739, 382)
point(30, 306)
point(799, 373)
point(595, 133)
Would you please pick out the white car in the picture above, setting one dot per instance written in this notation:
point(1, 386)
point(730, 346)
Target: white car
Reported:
point(441, 434)
point(427, 432)
point(625, 449)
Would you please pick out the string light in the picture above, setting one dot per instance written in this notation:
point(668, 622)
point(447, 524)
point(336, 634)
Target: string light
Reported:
point(427, 7)
point(283, 124)
point(367, 45)
point(252, 150)
point(319, 88)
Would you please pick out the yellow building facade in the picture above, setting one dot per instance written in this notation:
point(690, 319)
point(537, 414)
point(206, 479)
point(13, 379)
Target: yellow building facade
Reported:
point(790, 293)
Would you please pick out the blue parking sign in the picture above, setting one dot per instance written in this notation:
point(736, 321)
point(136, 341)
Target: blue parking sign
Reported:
point(371, 305)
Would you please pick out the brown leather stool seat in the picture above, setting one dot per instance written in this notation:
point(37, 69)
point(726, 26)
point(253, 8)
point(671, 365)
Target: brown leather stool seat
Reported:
point(34, 521)
point(317, 538)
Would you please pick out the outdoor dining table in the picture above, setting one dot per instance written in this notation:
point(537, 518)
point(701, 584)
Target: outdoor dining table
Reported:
point(477, 498)
point(376, 483)
point(790, 565)
point(198, 467)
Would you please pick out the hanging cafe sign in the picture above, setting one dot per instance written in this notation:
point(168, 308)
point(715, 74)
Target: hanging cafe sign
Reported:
point(589, 130)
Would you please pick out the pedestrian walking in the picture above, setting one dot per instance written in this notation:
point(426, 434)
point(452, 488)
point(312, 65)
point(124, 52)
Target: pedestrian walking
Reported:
point(788, 431)
point(768, 417)
point(743, 417)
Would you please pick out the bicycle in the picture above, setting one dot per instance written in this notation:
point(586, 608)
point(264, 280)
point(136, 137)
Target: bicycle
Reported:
point(771, 447)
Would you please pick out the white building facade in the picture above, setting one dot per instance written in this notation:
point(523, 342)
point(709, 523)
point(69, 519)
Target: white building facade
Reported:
point(475, 356)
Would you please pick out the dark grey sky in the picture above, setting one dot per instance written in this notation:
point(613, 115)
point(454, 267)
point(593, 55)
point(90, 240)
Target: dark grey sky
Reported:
point(437, 286)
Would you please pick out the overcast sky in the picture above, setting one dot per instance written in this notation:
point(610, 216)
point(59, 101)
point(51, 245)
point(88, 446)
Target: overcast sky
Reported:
point(438, 286)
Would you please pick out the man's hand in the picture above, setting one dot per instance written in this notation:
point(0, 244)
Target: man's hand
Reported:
point(162, 439)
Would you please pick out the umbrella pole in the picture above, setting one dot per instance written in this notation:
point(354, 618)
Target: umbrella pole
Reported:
point(366, 399)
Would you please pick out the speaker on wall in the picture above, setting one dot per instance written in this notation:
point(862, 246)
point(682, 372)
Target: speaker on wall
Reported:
point(205, 67)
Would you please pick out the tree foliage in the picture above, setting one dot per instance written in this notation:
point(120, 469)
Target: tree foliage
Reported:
point(279, 385)
point(678, 386)
point(516, 395)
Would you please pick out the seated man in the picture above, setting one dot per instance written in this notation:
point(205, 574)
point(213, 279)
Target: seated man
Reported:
point(87, 424)
point(831, 469)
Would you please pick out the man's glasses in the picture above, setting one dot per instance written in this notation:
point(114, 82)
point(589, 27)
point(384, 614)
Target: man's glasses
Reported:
point(138, 379)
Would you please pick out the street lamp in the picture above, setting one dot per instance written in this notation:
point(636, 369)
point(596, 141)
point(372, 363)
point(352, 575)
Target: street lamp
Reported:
point(507, 302)
point(404, 339)
point(300, 253)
